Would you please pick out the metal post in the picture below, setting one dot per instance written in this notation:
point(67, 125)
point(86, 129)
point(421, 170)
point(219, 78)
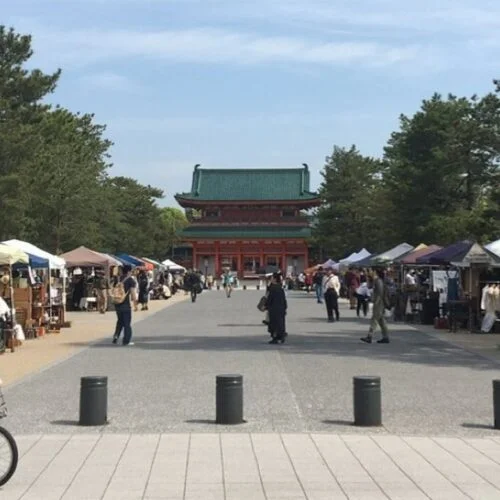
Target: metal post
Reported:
point(367, 401)
point(496, 403)
point(93, 400)
point(229, 399)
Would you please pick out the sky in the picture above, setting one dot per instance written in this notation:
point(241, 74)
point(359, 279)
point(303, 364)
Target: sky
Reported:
point(242, 84)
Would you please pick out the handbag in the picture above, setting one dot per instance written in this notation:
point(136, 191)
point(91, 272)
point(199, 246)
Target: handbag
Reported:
point(262, 305)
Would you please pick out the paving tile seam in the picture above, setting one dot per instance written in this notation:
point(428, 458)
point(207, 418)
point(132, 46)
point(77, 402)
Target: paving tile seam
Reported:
point(47, 465)
point(480, 451)
point(363, 467)
point(27, 378)
point(29, 449)
point(222, 465)
point(82, 465)
point(115, 468)
point(457, 486)
point(465, 464)
point(254, 453)
point(187, 467)
point(155, 454)
point(292, 465)
point(327, 465)
point(398, 466)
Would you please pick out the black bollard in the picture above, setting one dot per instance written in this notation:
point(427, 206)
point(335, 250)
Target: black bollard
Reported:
point(93, 400)
point(258, 287)
point(244, 287)
point(229, 399)
point(367, 401)
point(496, 403)
point(218, 287)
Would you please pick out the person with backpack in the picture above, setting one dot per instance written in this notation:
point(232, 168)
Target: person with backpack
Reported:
point(381, 301)
point(123, 294)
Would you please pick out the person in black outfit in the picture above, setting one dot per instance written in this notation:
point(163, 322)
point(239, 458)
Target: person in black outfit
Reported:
point(277, 306)
point(143, 281)
point(192, 283)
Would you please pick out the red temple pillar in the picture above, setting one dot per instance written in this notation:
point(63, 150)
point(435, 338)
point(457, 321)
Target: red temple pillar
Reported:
point(283, 257)
point(240, 259)
point(261, 254)
point(306, 256)
point(217, 259)
point(195, 255)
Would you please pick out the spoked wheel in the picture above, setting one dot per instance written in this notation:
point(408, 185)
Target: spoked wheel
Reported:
point(8, 456)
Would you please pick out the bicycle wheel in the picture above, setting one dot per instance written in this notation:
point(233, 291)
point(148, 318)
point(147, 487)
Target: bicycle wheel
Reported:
point(8, 456)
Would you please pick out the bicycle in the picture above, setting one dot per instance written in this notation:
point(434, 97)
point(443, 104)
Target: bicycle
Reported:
point(9, 454)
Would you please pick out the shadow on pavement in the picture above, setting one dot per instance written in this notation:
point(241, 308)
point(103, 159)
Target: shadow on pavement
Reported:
point(478, 426)
point(405, 347)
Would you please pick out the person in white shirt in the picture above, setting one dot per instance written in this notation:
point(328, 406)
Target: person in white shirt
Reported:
point(331, 291)
point(410, 279)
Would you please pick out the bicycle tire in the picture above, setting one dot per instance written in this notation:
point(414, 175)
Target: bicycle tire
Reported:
point(15, 456)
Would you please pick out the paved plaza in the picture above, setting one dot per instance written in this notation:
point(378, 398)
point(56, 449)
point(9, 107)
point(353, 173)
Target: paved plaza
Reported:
point(298, 441)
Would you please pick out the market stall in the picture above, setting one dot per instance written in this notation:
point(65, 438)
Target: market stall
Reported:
point(39, 287)
point(459, 280)
point(8, 257)
point(86, 267)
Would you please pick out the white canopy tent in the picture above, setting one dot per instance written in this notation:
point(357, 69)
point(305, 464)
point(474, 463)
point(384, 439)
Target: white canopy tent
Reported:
point(494, 247)
point(170, 264)
point(55, 262)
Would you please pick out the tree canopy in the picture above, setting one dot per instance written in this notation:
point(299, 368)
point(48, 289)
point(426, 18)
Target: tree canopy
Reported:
point(56, 189)
point(438, 181)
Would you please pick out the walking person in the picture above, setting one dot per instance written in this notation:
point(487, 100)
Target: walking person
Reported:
point(331, 290)
point(123, 294)
point(227, 283)
point(381, 301)
point(318, 284)
point(101, 286)
point(276, 305)
point(143, 282)
point(363, 296)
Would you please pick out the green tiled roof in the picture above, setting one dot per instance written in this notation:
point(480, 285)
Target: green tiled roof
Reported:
point(246, 232)
point(262, 184)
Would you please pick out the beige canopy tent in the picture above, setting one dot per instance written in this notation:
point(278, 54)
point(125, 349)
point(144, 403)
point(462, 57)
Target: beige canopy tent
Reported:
point(85, 257)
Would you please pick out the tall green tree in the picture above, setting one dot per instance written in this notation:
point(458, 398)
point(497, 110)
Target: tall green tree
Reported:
point(130, 219)
point(21, 108)
point(441, 169)
point(349, 217)
point(65, 179)
point(173, 221)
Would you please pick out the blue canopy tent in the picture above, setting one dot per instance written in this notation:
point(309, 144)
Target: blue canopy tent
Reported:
point(128, 259)
point(35, 262)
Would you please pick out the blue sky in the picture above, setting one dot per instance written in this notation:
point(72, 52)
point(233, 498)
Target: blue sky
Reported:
point(236, 83)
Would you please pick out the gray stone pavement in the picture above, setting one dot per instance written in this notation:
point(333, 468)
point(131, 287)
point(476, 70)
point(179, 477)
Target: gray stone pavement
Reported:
point(437, 439)
point(257, 466)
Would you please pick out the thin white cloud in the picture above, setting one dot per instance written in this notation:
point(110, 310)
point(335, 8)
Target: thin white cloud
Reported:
point(213, 46)
point(110, 81)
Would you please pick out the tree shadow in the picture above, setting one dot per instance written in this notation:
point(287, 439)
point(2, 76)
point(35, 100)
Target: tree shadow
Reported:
point(413, 347)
